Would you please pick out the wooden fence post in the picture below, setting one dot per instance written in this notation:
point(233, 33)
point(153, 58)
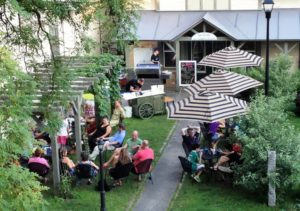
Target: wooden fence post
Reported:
point(78, 127)
point(55, 163)
point(271, 170)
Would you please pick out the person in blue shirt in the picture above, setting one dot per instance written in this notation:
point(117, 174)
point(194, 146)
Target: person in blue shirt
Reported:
point(112, 142)
point(117, 139)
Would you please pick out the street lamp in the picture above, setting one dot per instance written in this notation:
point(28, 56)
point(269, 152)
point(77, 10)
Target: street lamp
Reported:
point(268, 7)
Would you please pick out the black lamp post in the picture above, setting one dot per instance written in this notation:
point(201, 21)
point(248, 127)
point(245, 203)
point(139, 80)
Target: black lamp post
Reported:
point(268, 7)
point(102, 191)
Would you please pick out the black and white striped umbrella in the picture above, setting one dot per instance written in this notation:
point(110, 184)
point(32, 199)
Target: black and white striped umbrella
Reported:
point(224, 82)
point(231, 57)
point(206, 107)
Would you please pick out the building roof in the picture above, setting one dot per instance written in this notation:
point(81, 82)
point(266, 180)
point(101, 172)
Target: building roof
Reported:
point(238, 25)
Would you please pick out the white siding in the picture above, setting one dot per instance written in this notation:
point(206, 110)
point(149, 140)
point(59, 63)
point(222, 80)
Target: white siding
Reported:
point(208, 4)
point(244, 4)
point(171, 5)
point(223, 4)
point(193, 5)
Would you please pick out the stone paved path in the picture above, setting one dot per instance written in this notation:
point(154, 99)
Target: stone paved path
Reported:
point(166, 175)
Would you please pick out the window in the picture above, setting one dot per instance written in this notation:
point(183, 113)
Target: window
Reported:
point(169, 56)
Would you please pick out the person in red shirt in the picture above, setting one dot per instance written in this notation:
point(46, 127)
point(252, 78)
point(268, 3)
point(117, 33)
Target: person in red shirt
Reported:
point(234, 156)
point(144, 153)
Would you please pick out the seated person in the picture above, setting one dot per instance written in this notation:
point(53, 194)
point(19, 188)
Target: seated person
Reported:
point(113, 142)
point(117, 139)
point(234, 156)
point(38, 164)
point(191, 137)
point(103, 130)
point(194, 158)
point(118, 158)
point(213, 131)
point(66, 160)
point(144, 153)
point(85, 160)
point(37, 158)
point(118, 114)
point(38, 131)
point(134, 85)
point(39, 134)
point(133, 144)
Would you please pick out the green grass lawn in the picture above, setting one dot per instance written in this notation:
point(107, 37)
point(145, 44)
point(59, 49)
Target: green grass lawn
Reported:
point(215, 196)
point(156, 131)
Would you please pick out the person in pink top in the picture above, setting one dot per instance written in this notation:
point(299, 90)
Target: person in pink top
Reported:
point(144, 153)
point(37, 158)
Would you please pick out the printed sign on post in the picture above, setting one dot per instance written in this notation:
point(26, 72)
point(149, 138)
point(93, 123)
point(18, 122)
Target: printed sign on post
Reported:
point(187, 72)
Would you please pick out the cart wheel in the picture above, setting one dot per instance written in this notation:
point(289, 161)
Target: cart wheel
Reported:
point(146, 111)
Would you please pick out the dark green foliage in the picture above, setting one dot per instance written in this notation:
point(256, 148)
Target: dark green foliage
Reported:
point(264, 128)
point(107, 89)
point(65, 188)
point(284, 81)
point(117, 19)
point(19, 189)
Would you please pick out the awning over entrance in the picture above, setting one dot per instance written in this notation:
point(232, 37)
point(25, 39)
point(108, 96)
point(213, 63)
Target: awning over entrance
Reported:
point(237, 25)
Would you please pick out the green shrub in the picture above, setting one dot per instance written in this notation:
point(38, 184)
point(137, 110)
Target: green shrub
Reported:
point(19, 189)
point(283, 80)
point(266, 128)
point(65, 187)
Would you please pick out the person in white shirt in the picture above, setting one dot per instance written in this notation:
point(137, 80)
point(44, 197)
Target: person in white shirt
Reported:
point(63, 133)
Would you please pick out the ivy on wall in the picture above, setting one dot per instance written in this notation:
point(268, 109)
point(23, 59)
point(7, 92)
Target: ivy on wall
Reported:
point(107, 68)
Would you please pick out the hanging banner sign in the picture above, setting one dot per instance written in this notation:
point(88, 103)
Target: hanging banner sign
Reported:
point(204, 36)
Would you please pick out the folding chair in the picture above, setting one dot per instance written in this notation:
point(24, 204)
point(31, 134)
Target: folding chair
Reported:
point(185, 148)
point(204, 131)
point(144, 167)
point(120, 172)
point(186, 166)
point(84, 171)
point(38, 168)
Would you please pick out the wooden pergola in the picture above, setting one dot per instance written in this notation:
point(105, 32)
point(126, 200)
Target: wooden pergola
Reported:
point(78, 85)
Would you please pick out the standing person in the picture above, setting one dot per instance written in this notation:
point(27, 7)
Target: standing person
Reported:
point(133, 144)
point(103, 130)
point(135, 85)
point(155, 56)
point(118, 114)
point(63, 133)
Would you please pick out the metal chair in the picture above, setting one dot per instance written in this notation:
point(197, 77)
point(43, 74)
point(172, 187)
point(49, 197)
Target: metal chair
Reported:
point(186, 166)
point(38, 168)
point(84, 171)
point(120, 172)
point(144, 167)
